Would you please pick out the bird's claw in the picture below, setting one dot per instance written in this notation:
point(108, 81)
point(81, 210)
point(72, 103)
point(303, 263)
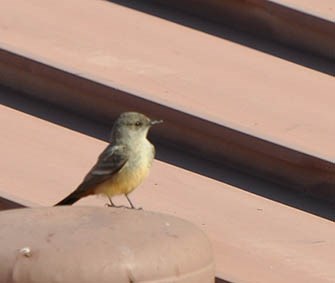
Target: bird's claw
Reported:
point(116, 206)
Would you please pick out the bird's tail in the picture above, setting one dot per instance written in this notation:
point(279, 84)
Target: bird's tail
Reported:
point(70, 199)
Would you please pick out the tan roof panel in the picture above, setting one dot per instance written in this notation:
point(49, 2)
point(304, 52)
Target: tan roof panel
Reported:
point(324, 8)
point(254, 238)
point(208, 76)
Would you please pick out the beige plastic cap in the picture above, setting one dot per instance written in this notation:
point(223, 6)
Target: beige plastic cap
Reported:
point(88, 244)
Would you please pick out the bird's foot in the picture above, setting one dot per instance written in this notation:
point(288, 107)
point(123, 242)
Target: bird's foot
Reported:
point(133, 207)
point(116, 206)
point(137, 208)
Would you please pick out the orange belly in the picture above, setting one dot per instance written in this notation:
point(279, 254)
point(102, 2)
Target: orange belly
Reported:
point(123, 182)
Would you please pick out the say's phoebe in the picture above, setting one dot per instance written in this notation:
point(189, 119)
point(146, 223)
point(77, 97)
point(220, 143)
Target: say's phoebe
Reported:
point(123, 165)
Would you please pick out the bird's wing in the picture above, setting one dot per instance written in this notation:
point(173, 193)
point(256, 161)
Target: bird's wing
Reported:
point(110, 161)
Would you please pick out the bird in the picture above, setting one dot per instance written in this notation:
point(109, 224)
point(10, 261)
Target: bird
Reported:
point(123, 164)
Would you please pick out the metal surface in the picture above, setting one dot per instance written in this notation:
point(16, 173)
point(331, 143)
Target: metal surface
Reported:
point(259, 233)
point(253, 121)
point(5, 203)
point(185, 132)
point(281, 21)
point(259, 114)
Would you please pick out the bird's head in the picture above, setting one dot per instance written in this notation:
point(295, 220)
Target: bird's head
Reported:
point(132, 125)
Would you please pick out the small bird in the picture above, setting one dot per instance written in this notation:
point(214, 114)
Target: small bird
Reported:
point(124, 163)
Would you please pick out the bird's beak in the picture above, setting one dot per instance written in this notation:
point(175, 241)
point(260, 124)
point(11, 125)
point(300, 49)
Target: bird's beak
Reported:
point(154, 122)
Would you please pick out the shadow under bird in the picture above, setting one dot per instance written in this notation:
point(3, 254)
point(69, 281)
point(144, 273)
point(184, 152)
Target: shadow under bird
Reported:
point(123, 165)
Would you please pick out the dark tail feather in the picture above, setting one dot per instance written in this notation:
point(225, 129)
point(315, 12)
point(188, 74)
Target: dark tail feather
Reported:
point(71, 199)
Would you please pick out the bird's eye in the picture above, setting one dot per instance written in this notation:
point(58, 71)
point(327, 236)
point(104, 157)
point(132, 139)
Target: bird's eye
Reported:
point(138, 124)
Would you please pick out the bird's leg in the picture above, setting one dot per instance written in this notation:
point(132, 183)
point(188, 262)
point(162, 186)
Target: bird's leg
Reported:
point(131, 204)
point(112, 203)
